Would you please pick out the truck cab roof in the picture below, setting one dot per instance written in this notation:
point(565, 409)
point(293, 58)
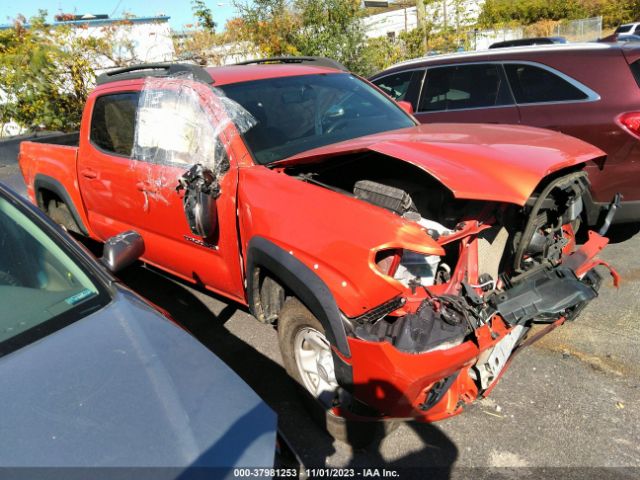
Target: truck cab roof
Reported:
point(241, 72)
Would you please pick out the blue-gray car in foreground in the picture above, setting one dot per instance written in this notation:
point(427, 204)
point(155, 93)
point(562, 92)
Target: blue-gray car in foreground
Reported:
point(92, 375)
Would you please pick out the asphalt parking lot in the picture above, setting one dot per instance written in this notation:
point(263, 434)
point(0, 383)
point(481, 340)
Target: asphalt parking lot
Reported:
point(571, 400)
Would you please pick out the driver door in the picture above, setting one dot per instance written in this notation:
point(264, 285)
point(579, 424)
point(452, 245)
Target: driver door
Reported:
point(180, 123)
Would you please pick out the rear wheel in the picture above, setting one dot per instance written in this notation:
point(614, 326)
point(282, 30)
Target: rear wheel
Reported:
point(307, 357)
point(60, 213)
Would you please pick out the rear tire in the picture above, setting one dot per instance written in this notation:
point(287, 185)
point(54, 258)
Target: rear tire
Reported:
point(60, 213)
point(299, 328)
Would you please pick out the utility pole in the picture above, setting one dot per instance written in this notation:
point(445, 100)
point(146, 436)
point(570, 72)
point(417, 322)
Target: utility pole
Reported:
point(444, 13)
point(405, 19)
point(422, 23)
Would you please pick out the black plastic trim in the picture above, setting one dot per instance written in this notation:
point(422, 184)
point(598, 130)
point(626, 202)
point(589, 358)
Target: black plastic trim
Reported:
point(432, 400)
point(544, 296)
point(44, 182)
point(318, 61)
point(628, 212)
point(343, 372)
point(301, 280)
point(154, 70)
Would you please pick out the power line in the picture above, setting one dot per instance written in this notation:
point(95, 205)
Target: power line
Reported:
point(114, 10)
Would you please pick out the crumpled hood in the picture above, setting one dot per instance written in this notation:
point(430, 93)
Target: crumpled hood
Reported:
point(124, 387)
point(501, 163)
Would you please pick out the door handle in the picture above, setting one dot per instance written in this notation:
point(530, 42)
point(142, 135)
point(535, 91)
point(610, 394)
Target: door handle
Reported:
point(88, 173)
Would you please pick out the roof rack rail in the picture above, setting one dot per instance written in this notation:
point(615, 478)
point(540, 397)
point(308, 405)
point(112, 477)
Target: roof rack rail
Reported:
point(154, 70)
point(319, 61)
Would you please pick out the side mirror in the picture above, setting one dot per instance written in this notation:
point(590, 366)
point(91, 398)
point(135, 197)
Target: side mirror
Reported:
point(202, 213)
point(122, 250)
point(406, 106)
point(199, 202)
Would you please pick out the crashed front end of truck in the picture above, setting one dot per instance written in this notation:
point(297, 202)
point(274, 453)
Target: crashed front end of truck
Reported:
point(498, 276)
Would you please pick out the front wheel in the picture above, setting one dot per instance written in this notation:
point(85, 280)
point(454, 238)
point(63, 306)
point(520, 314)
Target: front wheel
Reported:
point(307, 357)
point(306, 352)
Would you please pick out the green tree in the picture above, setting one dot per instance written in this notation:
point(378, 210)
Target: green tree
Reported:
point(47, 71)
point(271, 25)
point(45, 74)
point(200, 43)
point(526, 12)
point(333, 29)
point(204, 15)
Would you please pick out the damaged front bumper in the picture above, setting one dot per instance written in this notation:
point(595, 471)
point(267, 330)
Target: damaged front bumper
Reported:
point(401, 379)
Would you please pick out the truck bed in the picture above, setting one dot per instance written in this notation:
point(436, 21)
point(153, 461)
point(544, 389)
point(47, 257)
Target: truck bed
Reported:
point(51, 160)
point(71, 139)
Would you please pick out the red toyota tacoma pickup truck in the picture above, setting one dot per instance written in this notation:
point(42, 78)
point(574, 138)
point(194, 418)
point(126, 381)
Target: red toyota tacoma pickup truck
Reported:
point(402, 264)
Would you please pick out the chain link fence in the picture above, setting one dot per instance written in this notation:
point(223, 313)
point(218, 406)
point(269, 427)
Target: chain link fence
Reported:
point(582, 30)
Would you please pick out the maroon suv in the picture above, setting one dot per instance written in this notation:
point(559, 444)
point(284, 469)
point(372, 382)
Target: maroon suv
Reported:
point(590, 91)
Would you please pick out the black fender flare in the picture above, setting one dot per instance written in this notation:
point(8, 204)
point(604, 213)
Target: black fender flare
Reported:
point(45, 182)
point(309, 289)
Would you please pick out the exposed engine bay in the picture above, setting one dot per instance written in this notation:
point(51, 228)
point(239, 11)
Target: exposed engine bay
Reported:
point(503, 262)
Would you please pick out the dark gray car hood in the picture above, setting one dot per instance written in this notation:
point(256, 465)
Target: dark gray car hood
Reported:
point(126, 387)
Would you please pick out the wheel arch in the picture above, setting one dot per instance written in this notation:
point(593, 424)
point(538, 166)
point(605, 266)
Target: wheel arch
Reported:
point(44, 183)
point(300, 281)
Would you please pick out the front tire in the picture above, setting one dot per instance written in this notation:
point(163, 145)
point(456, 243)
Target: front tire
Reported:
point(306, 352)
point(307, 358)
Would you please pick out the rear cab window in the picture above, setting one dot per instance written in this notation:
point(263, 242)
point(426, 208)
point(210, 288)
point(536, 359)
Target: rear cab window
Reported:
point(464, 86)
point(533, 84)
point(113, 122)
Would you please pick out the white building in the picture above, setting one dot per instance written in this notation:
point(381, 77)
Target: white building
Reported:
point(134, 40)
point(148, 37)
point(390, 23)
point(451, 13)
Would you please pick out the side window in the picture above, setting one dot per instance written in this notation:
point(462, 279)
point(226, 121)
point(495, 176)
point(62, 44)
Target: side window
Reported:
point(531, 84)
point(113, 122)
point(464, 86)
point(396, 85)
point(635, 70)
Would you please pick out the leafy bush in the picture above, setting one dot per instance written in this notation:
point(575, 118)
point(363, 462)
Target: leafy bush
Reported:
point(526, 12)
point(45, 74)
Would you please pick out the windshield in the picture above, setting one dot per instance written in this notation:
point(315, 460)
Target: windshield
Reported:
point(295, 114)
point(40, 283)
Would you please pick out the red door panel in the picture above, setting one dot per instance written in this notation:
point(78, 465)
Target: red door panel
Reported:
point(139, 192)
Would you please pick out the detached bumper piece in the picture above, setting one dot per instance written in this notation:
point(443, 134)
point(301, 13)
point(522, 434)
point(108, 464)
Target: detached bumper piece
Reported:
point(545, 295)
